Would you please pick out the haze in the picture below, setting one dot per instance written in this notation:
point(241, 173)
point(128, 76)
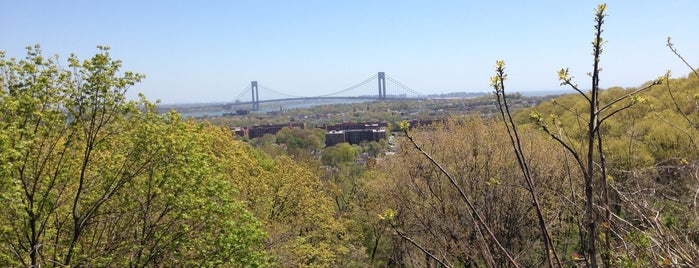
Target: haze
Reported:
point(209, 51)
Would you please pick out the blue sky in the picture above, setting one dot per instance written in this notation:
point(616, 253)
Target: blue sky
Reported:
point(208, 51)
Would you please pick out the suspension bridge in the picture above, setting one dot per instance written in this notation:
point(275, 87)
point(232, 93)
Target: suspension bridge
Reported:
point(375, 87)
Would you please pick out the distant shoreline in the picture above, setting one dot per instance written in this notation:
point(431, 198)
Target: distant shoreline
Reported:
point(534, 93)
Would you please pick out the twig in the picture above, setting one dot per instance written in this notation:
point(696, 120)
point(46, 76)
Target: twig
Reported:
point(465, 198)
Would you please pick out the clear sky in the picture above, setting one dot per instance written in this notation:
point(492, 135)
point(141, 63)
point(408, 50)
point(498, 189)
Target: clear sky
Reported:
point(208, 51)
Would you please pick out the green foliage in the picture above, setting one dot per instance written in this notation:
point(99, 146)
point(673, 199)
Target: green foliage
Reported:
point(302, 221)
point(611, 212)
point(649, 133)
point(338, 154)
point(429, 210)
point(93, 179)
point(375, 148)
point(301, 142)
point(290, 199)
point(89, 178)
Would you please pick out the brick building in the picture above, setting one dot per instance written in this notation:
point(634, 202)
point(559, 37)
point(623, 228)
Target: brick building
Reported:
point(259, 131)
point(333, 138)
point(354, 126)
point(354, 136)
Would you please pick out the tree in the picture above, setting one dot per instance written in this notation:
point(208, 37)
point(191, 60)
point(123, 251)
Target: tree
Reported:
point(341, 175)
point(32, 127)
point(97, 180)
point(60, 123)
point(301, 142)
point(429, 211)
point(621, 208)
point(498, 83)
point(591, 159)
point(288, 196)
point(338, 154)
point(614, 218)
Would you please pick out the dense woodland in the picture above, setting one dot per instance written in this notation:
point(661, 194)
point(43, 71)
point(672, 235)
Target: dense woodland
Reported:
point(594, 178)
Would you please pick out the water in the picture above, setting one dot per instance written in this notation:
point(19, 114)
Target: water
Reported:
point(266, 108)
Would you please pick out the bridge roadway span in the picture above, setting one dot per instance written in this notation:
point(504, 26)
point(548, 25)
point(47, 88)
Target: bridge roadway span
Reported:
point(373, 98)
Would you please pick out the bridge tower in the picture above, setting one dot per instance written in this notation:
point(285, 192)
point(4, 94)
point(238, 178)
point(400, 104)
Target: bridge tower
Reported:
point(382, 85)
point(255, 96)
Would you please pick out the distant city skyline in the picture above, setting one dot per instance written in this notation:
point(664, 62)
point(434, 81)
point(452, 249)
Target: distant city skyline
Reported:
point(208, 51)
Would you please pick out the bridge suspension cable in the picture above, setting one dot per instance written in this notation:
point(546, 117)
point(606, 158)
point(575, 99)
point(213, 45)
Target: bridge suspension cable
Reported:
point(248, 88)
point(245, 91)
point(399, 84)
point(280, 93)
point(352, 87)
